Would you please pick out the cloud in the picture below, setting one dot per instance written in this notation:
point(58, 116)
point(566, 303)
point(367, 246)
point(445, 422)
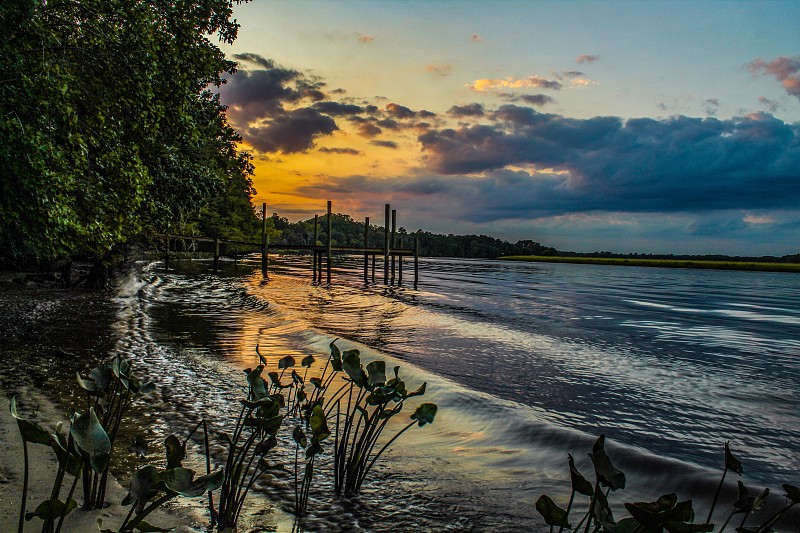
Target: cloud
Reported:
point(255, 59)
point(385, 144)
point(468, 110)
point(367, 129)
point(439, 70)
point(399, 111)
point(341, 151)
point(290, 132)
point(337, 108)
point(638, 165)
point(484, 85)
point(586, 58)
point(475, 38)
point(711, 106)
point(771, 105)
point(365, 39)
point(784, 69)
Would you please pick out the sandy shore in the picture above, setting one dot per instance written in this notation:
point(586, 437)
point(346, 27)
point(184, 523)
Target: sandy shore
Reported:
point(46, 335)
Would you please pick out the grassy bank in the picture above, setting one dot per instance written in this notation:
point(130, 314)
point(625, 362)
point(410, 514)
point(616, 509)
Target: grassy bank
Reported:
point(663, 263)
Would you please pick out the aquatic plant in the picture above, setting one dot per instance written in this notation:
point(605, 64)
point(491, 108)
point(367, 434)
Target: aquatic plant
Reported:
point(110, 391)
point(666, 513)
point(86, 444)
point(253, 437)
point(361, 409)
point(312, 447)
point(162, 485)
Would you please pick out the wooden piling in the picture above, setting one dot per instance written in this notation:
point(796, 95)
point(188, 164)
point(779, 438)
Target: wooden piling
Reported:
point(374, 259)
point(416, 260)
point(264, 241)
point(366, 245)
point(330, 241)
point(314, 259)
point(393, 241)
point(386, 246)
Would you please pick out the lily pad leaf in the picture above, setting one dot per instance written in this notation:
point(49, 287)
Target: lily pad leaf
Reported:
point(307, 361)
point(258, 388)
point(176, 451)
point(351, 362)
point(792, 492)
point(142, 487)
point(92, 439)
point(319, 424)
point(606, 473)
point(419, 392)
point(424, 414)
point(731, 462)
point(30, 431)
point(377, 373)
point(553, 514)
point(286, 362)
point(102, 376)
point(299, 437)
point(317, 382)
point(52, 509)
point(579, 483)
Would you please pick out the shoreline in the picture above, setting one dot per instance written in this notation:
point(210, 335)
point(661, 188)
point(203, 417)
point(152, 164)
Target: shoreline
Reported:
point(750, 266)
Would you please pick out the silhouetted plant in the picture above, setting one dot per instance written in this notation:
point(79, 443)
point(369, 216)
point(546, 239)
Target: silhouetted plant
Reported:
point(666, 513)
point(361, 409)
point(110, 391)
point(312, 447)
point(86, 444)
point(253, 437)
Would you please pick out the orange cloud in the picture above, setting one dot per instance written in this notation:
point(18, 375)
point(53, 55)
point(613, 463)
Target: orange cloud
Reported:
point(484, 85)
point(439, 70)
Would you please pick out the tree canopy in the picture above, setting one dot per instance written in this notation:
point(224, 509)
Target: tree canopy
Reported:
point(110, 125)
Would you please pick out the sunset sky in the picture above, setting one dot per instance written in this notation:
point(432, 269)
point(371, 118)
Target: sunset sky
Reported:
point(662, 127)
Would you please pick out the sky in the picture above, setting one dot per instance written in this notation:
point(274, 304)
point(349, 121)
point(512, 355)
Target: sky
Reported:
point(622, 126)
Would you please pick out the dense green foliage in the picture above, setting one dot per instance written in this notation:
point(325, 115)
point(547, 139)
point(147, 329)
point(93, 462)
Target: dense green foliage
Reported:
point(348, 232)
point(110, 128)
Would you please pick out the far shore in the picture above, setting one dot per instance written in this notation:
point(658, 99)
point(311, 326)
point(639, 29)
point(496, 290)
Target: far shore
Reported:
point(662, 263)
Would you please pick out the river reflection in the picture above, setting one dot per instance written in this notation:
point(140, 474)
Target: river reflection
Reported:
point(526, 361)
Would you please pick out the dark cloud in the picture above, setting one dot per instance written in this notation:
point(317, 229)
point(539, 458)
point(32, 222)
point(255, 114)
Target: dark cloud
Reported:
point(388, 123)
point(533, 99)
point(255, 59)
point(338, 109)
point(290, 132)
point(784, 69)
point(367, 129)
point(385, 144)
point(424, 113)
point(711, 106)
point(570, 74)
point(399, 111)
point(251, 95)
point(468, 110)
point(586, 58)
point(339, 91)
point(606, 163)
point(340, 151)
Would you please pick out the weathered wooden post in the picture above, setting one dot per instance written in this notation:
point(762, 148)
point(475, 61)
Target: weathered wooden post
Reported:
point(416, 260)
point(264, 241)
point(386, 246)
point(216, 254)
point(366, 245)
point(374, 260)
point(314, 259)
point(393, 241)
point(330, 241)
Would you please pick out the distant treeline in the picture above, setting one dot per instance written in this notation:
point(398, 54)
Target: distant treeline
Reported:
point(794, 258)
point(347, 232)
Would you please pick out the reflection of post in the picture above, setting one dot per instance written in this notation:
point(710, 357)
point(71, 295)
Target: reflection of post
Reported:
point(314, 259)
point(264, 243)
point(374, 258)
point(330, 240)
point(416, 260)
point(216, 254)
point(366, 245)
point(166, 254)
point(393, 241)
point(386, 246)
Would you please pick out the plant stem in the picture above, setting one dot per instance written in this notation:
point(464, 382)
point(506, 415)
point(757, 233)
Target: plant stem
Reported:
point(566, 515)
point(716, 495)
point(726, 521)
point(152, 507)
point(772, 519)
point(24, 487)
point(591, 507)
point(66, 502)
point(366, 470)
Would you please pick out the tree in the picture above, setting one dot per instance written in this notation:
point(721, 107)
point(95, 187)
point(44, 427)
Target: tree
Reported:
point(108, 124)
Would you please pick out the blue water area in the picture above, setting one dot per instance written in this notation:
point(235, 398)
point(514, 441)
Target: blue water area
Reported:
point(527, 361)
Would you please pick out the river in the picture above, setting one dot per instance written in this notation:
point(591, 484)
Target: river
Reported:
point(526, 361)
